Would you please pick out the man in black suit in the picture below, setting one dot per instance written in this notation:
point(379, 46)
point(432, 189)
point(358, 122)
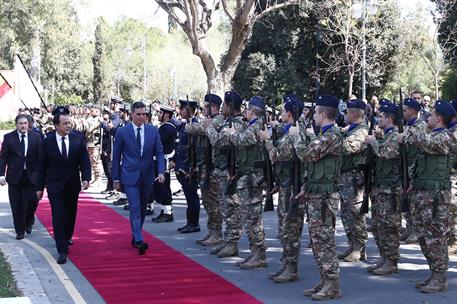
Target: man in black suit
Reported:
point(20, 157)
point(64, 158)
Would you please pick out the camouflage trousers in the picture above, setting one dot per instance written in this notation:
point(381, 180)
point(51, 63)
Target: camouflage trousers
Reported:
point(351, 189)
point(452, 234)
point(386, 221)
point(321, 223)
point(210, 201)
point(430, 214)
point(94, 155)
point(230, 207)
point(251, 196)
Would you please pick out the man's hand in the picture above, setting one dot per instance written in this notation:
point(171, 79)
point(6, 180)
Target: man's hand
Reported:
point(264, 134)
point(85, 185)
point(300, 195)
point(39, 194)
point(273, 123)
point(2, 181)
point(370, 139)
point(161, 178)
point(117, 186)
point(401, 137)
point(171, 165)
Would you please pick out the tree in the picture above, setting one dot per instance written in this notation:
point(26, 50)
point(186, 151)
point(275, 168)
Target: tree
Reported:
point(99, 62)
point(195, 19)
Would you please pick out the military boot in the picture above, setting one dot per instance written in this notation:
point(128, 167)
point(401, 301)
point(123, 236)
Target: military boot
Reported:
point(388, 267)
point(288, 275)
point(248, 257)
point(437, 283)
point(207, 236)
point(348, 251)
point(214, 239)
point(330, 290)
point(452, 249)
point(218, 248)
point(230, 249)
point(357, 254)
point(378, 264)
point(404, 235)
point(315, 289)
point(412, 238)
point(272, 275)
point(422, 283)
point(258, 260)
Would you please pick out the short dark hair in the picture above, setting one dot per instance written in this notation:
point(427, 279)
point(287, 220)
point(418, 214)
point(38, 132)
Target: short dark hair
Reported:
point(236, 106)
point(56, 118)
point(137, 105)
point(330, 112)
point(20, 116)
point(446, 119)
point(416, 92)
point(392, 116)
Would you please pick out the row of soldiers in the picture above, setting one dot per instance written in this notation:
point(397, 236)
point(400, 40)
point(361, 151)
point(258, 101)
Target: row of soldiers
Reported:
point(317, 166)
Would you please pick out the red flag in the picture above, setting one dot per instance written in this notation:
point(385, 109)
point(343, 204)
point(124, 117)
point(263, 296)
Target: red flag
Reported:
point(4, 86)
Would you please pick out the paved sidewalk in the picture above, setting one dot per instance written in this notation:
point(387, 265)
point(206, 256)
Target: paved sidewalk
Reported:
point(358, 286)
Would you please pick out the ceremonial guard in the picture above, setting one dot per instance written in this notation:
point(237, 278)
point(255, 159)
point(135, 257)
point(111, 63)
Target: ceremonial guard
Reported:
point(92, 131)
point(351, 183)
point(452, 235)
point(208, 183)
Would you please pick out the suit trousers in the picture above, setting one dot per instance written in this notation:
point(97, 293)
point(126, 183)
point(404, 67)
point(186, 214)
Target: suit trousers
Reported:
point(64, 206)
point(192, 199)
point(23, 202)
point(138, 197)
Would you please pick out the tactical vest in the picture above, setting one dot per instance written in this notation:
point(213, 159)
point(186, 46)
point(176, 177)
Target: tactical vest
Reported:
point(249, 158)
point(200, 148)
point(354, 161)
point(387, 171)
point(433, 172)
point(411, 153)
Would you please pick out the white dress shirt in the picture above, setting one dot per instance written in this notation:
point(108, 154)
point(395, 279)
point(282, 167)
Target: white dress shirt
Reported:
point(141, 133)
point(67, 142)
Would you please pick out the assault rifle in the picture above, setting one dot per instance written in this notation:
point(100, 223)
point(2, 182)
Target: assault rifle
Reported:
point(292, 210)
point(368, 170)
point(208, 154)
point(404, 201)
point(231, 185)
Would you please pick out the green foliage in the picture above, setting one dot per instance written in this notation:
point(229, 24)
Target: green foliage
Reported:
point(68, 100)
point(450, 85)
point(7, 125)
point(99, 62)
point(8, 286)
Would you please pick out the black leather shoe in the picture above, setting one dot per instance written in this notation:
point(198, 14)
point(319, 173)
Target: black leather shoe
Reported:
point(142, 247)
point(19, 236)
point(183, 227)
point(165, 218)
point(158, 217)
point(62, 259)
point(127, 207)
point(121, 202)
point(107, 191)
point(28, 230)
point(191, 229)
point(70, 242)
point(149, 212)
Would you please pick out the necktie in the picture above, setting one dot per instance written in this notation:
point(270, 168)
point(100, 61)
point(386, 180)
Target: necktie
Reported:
point(23, 145)
point(138, 139)
point(64, 148)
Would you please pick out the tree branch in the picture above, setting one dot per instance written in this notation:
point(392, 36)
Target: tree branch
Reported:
point(276, 7)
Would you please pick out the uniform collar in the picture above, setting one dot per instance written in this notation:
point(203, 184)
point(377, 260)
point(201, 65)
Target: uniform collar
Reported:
point(286, 128)
point(387, 130)
point(253, 121)
point(452, 124)
point(353, 126)
point(438, 129)
point(326, 128)
point(411, 122)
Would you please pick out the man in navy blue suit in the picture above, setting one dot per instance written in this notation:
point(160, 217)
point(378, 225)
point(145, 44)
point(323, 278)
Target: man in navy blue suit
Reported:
point(64, 162)
point(135, 147)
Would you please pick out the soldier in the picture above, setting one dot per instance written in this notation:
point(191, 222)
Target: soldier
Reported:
point(107, 142)
point(323, 158)
point(250, 185)
point(208, 183)
point(411, 110)
point(431, 193)
point(230, 204)
point(162, 191)
point(184, 168)
point(351, 183)
point(452, 249)
point(385, 195)
point(281, 156)
point(92, 131)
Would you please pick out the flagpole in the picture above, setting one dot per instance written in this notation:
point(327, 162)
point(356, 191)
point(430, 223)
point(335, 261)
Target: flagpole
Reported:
point(33, 83)
point(6, 81)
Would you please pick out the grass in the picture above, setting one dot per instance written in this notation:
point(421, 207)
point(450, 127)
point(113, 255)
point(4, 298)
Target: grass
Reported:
point(8, 286)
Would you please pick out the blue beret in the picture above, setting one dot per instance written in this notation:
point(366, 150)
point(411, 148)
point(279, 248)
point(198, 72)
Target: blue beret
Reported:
point(384, 101)
point(213, 98)
point(191, 103)
point(327, 101)
point(412, 103)
point(356, 104)
point(257, 101)
point(454, 104)
point(61, 110)
point(293, 104)
point(229, 96)
point(389, 108)
point(444, 108)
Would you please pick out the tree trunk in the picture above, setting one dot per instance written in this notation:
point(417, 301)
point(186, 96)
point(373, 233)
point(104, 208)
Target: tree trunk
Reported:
point(351, 83)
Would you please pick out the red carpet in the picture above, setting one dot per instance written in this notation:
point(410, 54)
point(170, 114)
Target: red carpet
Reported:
point(102, 252)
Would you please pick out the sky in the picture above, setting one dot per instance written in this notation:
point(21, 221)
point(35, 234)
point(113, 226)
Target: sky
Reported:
point(147, 10)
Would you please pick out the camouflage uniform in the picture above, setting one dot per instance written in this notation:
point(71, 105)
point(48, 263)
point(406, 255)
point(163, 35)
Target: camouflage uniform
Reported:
point(250, 185)
point(453, 204)
point(431, 197)
point(351, 188)
point(323, 157)
point(414, 125)
point(92, 132)
point(209, 192)
point(289, 229)
point(230, 205)
point(385, 197)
